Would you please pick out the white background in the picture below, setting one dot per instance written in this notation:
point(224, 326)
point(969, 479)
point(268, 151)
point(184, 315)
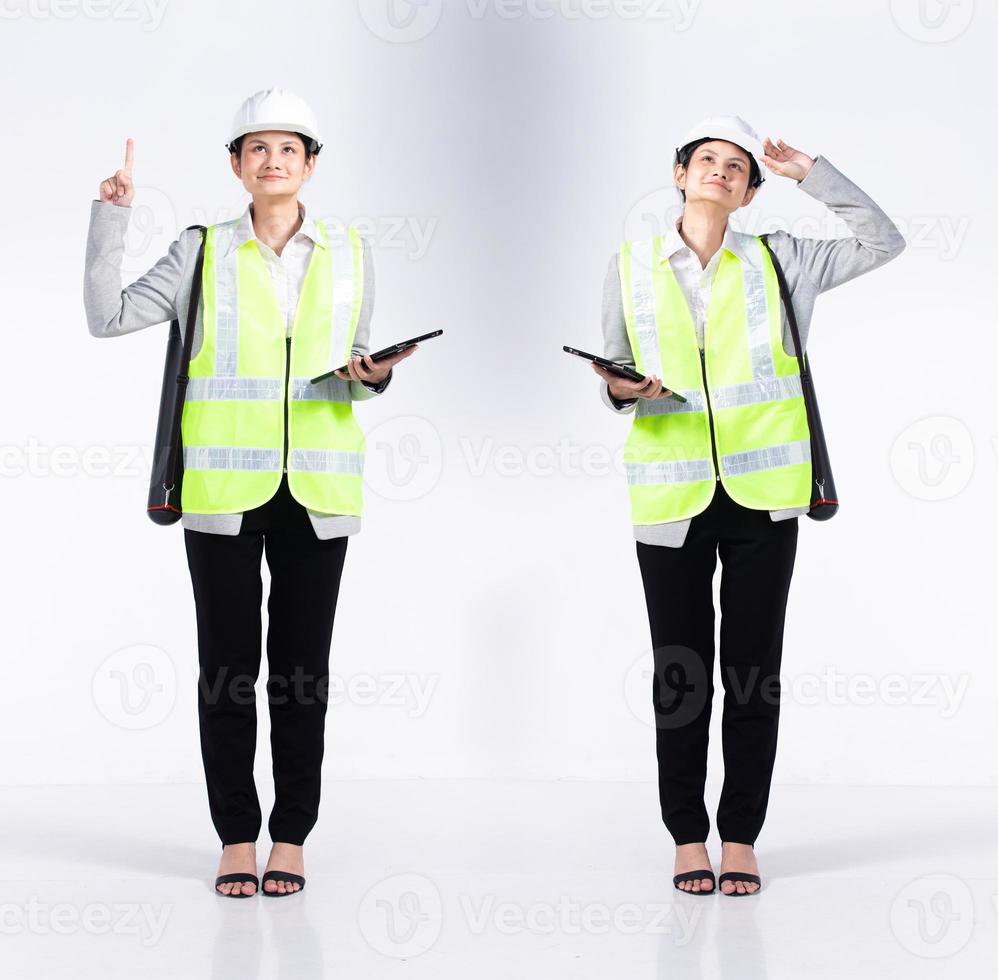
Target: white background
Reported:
point(523, 147)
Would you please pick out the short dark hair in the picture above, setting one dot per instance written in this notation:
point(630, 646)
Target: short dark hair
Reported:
point(683, 155)
point(311, 146)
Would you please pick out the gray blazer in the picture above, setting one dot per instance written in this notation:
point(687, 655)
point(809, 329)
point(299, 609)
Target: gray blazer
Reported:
point(163, 294)
point(811, 265)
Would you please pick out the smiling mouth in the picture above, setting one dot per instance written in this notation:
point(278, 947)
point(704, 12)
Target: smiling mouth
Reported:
point(716, 183)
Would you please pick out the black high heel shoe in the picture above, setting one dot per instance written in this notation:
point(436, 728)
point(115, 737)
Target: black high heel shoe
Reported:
point(743, 876)
point(695, 876)
point(241, 877)
point(283, 876)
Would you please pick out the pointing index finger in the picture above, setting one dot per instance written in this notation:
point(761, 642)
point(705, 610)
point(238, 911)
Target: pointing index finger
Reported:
point(129, 155)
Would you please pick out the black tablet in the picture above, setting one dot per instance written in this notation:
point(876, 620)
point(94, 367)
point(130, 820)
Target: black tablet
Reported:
point(621, 370)
point(382, 354)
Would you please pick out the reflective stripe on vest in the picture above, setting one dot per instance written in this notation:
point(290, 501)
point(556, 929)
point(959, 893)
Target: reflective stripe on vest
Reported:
point(261, 389)
point(311, 460)
point(760, 422)
point(234, 410)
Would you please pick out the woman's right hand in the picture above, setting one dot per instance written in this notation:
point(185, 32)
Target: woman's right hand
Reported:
point(118, 188)
point(624, 390)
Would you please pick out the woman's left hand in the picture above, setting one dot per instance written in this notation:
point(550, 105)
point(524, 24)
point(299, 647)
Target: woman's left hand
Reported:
point(364, 369)
point(784, 160)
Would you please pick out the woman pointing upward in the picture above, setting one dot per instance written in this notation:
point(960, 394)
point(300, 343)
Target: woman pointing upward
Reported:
point(272, 463)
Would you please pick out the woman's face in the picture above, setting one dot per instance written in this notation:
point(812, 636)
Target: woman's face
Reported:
point(719, 173)
point(272, 164)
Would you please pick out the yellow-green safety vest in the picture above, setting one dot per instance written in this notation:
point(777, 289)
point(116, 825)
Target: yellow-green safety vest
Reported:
point(251, 412)
point(744, 421)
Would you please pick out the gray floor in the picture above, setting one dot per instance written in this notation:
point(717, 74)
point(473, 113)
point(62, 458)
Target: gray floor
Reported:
point(499, 879)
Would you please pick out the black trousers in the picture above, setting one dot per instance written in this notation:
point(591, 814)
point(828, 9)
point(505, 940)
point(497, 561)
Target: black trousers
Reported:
point(757, 558)
point(228, 592)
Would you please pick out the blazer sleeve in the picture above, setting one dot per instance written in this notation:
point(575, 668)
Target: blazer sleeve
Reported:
point(361, 390)
point(616, 344)
point(110, 310)
point(828, 262)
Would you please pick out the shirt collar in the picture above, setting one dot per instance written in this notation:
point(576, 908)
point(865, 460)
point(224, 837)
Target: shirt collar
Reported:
point(244, 229)
point(672, 242)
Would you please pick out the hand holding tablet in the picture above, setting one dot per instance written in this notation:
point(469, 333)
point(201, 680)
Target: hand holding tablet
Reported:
point(614, 373)
point(387, 355)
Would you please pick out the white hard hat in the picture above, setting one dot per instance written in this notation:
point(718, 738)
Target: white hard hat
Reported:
point(275, 108)
point(733, 129)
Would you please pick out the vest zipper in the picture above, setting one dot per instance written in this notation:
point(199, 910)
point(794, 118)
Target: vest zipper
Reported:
point(287, 376)
point(710, 415)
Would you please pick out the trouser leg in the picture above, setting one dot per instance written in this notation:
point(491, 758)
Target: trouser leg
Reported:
point(757, 560)
point(305, 580)
point(225, 574)
point(678, 595)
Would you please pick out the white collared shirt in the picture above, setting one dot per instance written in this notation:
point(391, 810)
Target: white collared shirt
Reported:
point(695, 283)
point(694, 280)
point(287, 270)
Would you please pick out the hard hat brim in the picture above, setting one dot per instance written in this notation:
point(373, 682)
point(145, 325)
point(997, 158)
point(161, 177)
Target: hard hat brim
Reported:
point(730, 135)
point(279, 125)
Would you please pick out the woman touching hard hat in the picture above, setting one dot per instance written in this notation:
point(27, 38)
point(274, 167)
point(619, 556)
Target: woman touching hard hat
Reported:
point(272, 463)
point(727, 473)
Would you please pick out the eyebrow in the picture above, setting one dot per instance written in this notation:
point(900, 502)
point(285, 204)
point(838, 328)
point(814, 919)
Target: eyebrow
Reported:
point(707, 149)
point(256, 139)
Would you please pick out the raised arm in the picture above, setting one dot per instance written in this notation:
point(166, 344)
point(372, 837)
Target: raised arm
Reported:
point(110, 310)
point(829, 262)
